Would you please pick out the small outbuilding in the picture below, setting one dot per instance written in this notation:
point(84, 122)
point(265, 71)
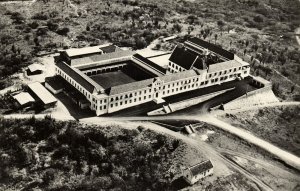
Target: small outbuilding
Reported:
point(55, 84)
point(34, 69)
point(199, 171)
point(23, 99)
point(42, 95)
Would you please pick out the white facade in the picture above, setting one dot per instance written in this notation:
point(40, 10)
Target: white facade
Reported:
point(192, 178)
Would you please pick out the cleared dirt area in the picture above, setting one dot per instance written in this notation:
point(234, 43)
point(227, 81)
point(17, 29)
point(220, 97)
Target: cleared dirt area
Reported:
point(249, 157)
point(278, 125)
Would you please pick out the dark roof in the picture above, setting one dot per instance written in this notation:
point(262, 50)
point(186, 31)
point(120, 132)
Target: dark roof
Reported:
point(77, 76)
point(110, 49)
point(182, 57)
point(211, 47)
point(200, 167)
point(56, 82)
point(200, 64)
point(150, 63)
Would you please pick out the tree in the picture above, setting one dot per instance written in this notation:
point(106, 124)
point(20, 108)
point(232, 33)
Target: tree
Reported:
point(221, 24)
point(216, 37)
point(63, 31)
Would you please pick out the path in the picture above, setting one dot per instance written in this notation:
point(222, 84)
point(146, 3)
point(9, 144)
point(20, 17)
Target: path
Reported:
point(256, 107)
point(285, 156)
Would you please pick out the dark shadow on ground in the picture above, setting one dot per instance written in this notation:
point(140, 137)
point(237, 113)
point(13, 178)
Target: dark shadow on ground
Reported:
point(179, 184)
point(73, 108)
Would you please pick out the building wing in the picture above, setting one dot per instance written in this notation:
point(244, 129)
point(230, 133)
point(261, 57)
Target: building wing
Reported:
point(182, 57)
point(198, 43)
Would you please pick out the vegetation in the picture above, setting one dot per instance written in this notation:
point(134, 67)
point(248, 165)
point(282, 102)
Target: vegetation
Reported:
point(49, 155)
point(279, 125)
point(260, 31)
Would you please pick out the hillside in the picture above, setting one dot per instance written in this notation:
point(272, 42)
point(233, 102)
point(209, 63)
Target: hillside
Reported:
point(278, 125)
point(262, 30)
point(50, 155)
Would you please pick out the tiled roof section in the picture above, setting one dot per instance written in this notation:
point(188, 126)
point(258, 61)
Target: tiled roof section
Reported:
point(97, 60)
point(224, 66)
point(23, 98)
point(200, 64)
point(110, 49)
point(129, 87)
point(182, 57)
point(75, 74)
point(178, 76)
point(201, 167)
point(34, 67)
point(44, 95)
point(211, 47)
point(146, 83)
point(82, 51)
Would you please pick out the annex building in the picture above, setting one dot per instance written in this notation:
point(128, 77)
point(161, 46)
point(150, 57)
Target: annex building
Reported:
point(112, 79)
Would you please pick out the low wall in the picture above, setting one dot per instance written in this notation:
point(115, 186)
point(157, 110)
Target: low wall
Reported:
point(187, 103)
point(194, 101)
point(257, 97)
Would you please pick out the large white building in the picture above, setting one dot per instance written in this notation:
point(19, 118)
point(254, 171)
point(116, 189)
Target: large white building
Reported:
point(112, 79)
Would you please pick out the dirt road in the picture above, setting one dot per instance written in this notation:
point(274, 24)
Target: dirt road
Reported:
point(283, 155)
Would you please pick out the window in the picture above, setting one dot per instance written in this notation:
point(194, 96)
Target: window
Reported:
point(104, 107)
point(100, 107)
point(140, 98)
point(149, 96)
point(145, 97)
point(111, 105)
point(126, 102)
point(145, 91)
point(134, 99)
point(121, 103)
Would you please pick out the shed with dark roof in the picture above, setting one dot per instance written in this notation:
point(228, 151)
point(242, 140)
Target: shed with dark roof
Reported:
point(198, 171)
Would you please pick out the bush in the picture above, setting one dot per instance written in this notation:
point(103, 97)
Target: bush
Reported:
point(258, 18)
point(63, 31)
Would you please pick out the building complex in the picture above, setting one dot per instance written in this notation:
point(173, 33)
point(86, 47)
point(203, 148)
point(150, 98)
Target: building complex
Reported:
point(112, 79)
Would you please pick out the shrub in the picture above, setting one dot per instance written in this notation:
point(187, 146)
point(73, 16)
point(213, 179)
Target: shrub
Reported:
point(63, 31)
point(258, 19)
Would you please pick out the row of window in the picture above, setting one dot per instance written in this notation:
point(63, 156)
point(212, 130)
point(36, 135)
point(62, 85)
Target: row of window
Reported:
point(71, 81)
point(226, 71)
point(130, 95)
point(129, 101)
